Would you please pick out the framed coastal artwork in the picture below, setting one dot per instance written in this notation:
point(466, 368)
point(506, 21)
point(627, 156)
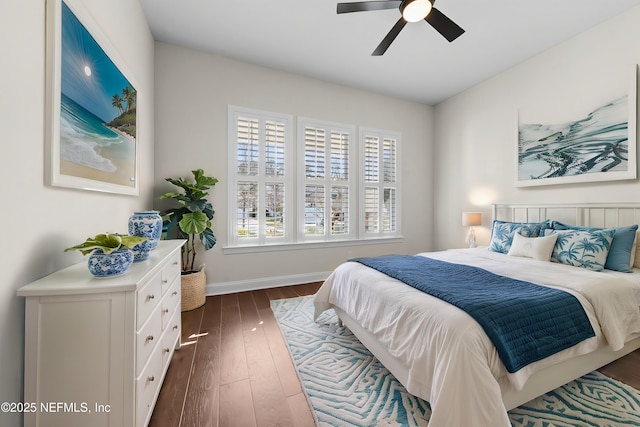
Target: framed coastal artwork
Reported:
point(594, 142)
point(91, 100)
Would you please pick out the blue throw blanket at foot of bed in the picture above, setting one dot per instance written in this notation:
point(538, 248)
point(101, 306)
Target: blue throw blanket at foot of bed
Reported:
point(525, 322)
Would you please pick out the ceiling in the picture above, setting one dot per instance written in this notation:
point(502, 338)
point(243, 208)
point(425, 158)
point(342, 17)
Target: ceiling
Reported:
point(307, 37)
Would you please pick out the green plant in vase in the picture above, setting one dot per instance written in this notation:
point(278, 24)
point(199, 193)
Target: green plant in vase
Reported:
point(191, 218)
point(110, 254)
point(107, 243)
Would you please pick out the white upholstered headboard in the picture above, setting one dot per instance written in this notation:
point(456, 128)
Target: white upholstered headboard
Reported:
point(587, 214)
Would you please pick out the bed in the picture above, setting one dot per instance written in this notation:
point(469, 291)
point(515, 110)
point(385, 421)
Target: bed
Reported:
point(441, 354)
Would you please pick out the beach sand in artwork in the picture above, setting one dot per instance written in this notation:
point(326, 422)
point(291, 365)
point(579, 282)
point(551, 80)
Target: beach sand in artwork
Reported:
point(122, 176)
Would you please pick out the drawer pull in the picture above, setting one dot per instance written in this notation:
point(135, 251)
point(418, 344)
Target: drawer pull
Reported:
point(175, 293)
point(175, 262)
point(151, 378)
point(165, 281)
point(150, 296)
point(165, 311)
point(166, 350)
point(149, 338)
point(175, 327)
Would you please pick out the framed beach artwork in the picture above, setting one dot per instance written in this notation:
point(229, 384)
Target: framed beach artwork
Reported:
point(597, 143)
point(92, 131)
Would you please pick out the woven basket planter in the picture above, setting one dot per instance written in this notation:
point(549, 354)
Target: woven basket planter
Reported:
point(193, 286)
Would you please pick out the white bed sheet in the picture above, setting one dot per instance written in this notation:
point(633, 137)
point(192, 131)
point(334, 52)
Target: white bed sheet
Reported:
point(451, 361)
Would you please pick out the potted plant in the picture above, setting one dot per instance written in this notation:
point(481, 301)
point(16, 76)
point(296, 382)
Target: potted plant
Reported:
point(110, 254)
point(191, 220)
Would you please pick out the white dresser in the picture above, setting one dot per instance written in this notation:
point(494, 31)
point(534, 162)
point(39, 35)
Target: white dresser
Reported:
point(97, 350)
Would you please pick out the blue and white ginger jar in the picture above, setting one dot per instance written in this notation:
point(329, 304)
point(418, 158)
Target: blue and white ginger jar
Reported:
point(110, 265)
point(145, 224)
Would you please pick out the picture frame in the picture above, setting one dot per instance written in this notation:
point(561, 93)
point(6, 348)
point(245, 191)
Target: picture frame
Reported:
point(92, 98)
point(596, 144)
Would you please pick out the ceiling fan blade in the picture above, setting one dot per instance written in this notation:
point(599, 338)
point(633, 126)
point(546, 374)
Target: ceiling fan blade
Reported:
point(364, 6)
point(445, 26)
point(389, 38)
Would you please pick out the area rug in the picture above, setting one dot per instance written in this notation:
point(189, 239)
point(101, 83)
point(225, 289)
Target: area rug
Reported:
point(347, 386)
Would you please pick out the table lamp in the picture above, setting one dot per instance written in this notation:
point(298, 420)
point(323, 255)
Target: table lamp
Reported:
point(471, 219)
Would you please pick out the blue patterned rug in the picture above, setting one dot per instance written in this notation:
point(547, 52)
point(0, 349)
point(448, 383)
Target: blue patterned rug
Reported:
point(347, 386)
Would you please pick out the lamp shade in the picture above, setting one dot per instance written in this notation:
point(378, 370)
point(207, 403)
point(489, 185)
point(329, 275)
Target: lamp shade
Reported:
point(470, 219)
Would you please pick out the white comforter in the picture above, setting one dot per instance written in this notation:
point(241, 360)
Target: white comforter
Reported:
point(450, 360)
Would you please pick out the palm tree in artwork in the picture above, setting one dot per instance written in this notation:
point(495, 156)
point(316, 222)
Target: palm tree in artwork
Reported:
point(117, 102)
point(129, 95)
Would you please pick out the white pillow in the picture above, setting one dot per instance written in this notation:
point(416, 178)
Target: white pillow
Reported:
point(539, 248)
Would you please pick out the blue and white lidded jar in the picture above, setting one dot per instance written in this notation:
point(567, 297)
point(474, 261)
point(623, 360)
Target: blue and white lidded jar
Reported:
point(145, 224)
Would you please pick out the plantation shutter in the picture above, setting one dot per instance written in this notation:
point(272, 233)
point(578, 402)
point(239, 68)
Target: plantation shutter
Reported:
point(324, 185)
point(380, 184)
point(261, 182)
point(327, 183)
point(389, 208)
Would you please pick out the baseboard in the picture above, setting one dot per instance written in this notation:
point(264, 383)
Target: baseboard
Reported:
point(264, 283)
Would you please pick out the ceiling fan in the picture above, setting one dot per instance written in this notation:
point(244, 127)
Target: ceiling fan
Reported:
point(412, 11)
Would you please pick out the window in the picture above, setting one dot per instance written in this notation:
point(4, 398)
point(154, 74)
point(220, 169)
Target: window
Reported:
point(319, 187)
point(379, 184)
point(261, 177)
point(327, 183)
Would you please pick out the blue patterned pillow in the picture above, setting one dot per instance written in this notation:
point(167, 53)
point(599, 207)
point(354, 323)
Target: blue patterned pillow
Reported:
point(502, 233)
point(582, 248)
point(621, 255)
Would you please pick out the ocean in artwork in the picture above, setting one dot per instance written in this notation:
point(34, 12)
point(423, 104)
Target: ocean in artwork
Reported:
point(597, 143)
point(86, 140)
point(83, 136)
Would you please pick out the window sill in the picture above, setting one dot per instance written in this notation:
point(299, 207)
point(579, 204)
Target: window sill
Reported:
point(231, 250)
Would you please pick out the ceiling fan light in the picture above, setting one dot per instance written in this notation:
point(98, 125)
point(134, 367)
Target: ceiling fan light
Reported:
point(415, 10)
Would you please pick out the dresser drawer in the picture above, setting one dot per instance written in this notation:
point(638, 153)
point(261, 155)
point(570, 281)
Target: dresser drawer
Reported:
point(170, 303)
point(148, 299)
point(170, 272)
point(146, 387)
point(147, 339)
point(170, 338)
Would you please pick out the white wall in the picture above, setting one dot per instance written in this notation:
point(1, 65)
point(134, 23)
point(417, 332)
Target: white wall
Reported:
point(38, 221)
point(476, 131)
point(193, 91)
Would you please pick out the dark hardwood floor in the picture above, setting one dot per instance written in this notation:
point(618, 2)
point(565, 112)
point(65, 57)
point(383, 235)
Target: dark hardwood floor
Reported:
point(234, 368)
point(626, 369)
